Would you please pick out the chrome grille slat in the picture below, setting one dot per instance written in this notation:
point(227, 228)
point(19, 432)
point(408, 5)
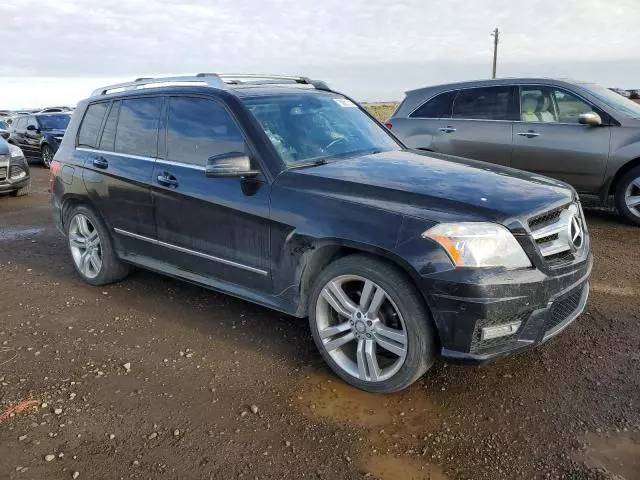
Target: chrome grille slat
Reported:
point(550, 232)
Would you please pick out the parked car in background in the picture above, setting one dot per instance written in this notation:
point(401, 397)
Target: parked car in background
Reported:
point(39, 135)
point(283, 192)
point(580, 133)
point(15, 176)
point(55, 110)
point(621, 91)
point(4, 129)
point(634, 94)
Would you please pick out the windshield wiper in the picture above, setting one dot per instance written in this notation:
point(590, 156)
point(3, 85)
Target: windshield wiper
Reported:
point(312, 163)
point(336, 157)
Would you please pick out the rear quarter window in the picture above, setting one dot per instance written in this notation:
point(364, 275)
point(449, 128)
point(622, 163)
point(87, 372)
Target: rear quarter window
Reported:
point(439, 106)
point(91, 123)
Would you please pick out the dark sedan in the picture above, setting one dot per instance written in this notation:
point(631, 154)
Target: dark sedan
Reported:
point(39, 135)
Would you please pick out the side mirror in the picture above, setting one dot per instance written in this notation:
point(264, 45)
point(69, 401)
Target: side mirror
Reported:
point(32, 128)
point(5, 134)
point(590, 118)
point(234, 164)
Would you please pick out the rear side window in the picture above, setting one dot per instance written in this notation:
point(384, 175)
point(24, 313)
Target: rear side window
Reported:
point(137, 130)
point(198, 129)
point(90, 127)
point(439, 106)
point(489, 103)
point(109, 131)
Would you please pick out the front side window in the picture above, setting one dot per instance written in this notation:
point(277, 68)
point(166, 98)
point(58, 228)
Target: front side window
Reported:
point(32, 122)
point(317, 127)
point(551, 105)
point(439, 106)
point(90, 127)
point(487, 103)
point(19, 123)
point(137, 130)
point(570, 107)
point(199, 128)
point(54, 122)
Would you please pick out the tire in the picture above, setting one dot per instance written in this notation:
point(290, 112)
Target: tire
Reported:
point(412, 320)
point(83, 227)
point(628, 192)
point(21, 192)
point(47, 155)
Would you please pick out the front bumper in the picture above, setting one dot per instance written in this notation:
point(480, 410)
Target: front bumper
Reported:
point(464, 301)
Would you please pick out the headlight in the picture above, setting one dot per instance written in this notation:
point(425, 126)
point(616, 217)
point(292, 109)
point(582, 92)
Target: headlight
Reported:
point(15, 152)
point(474, 244)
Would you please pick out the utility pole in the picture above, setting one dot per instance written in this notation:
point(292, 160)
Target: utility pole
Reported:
point(495, 35)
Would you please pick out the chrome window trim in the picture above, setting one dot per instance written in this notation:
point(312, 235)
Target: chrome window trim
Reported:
point(518, 86)
point(191, 252)
point(146, 159)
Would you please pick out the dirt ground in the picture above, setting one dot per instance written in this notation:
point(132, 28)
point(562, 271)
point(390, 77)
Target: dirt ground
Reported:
point(155, 378)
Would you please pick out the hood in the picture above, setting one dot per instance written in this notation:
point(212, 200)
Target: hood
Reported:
point(54, 133)
point(436, 187)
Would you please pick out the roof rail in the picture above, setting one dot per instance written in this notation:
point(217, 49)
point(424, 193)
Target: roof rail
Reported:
point(213, 80)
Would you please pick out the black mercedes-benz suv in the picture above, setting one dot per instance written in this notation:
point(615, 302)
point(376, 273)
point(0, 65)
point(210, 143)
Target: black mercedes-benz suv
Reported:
point(285, 193)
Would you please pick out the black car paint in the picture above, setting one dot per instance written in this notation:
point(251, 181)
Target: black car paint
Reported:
point(275, 232)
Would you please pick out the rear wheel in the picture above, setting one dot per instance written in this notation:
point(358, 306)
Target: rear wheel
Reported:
point(47, 155)
point(92, 250)
point(627, 195)
point(371, 325)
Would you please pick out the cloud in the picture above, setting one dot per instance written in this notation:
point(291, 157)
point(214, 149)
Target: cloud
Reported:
point(129, 38)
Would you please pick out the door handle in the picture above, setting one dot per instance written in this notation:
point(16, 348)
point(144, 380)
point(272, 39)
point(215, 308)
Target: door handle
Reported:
point(167, 180)
point(447, 129)
point(100, 162)
point(529, 134)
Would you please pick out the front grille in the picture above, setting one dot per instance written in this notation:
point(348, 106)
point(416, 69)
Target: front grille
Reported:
point(551, 232)
point(3, 173)
point(563, 308)
point(545, 219)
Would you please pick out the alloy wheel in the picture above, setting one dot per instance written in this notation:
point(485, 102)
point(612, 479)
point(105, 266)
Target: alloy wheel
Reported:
point(47, 156)
point(632, 197)
point(361, 328)
point(84, 243)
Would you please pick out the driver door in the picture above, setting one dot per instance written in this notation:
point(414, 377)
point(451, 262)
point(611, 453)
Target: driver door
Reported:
point(215, 227)
point(550, 141)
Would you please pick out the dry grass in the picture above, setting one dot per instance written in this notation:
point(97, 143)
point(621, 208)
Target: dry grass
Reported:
point(381, 111)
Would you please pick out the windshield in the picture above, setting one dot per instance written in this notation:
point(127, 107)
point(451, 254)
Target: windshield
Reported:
point(309, 128)
point(615, 100)
point(54, 122)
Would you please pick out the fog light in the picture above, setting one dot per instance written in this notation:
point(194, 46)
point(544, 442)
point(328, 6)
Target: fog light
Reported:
point(500, 330)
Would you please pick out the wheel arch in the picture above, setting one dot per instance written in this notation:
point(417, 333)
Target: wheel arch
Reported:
point(328, 251)
point(631, 164)
point(71, 201)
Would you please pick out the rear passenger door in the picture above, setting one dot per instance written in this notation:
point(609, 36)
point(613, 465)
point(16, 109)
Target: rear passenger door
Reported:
point(480, 126)
point(214, 227)
point(121, 143)
point(19, 130)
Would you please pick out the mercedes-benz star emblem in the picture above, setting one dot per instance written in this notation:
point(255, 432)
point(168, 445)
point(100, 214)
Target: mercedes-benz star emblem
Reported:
point(575, 232)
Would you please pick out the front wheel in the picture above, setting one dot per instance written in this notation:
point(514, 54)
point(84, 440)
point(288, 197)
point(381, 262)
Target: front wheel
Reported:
point(47, 156)
point(371, 325)
point(627, 196)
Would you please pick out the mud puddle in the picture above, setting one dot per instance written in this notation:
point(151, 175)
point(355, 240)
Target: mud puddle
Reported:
point(389, 467)
point(8, 234)
point(618, 454)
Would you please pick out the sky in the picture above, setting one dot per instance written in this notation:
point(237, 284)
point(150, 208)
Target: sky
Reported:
point(57, 52)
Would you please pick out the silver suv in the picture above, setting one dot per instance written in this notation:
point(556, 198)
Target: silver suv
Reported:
point(581, 133)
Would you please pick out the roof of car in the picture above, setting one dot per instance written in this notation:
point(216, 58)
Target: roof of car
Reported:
point(497, 82)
